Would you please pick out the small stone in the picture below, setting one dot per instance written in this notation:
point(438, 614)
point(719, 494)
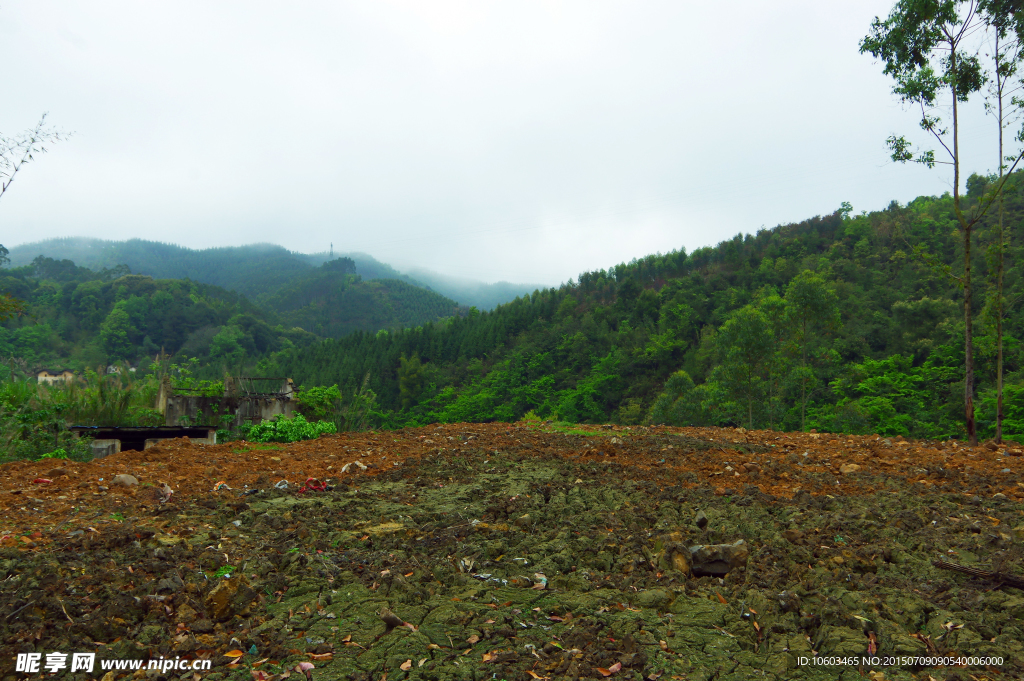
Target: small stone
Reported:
point(616, 440)
point(56, 473)
point(228, 598)
point(124, 480)
point(681, 562)
point(998, 495)
point(751, 467)
point(523, 520)
point(275, 459)
point(788, 601)
point(186, 614)
point(701, 520)
point(1006, 470)
point(719, 491)
point(717, 560)
point(848, 468)
point(793, 536)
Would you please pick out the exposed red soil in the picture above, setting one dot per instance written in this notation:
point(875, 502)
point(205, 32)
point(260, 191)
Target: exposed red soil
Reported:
point(729, 460)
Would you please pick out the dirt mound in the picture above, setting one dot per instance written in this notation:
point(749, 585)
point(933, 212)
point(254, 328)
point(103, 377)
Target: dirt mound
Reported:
point(520, 552)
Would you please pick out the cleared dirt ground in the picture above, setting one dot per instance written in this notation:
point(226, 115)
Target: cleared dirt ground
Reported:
point(518, 552)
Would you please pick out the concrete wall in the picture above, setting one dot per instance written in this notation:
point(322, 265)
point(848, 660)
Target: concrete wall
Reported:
point(102, 448)
point(223, 412)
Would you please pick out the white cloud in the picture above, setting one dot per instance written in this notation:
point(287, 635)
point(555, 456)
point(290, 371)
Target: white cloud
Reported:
point(523, 141)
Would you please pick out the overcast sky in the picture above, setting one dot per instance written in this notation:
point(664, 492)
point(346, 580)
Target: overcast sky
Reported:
point(519, 141)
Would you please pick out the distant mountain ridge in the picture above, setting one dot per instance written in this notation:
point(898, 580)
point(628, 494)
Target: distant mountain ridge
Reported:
point(253, 270)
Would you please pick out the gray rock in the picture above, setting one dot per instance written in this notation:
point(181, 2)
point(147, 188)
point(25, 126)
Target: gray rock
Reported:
point(701, 520)
point(717, 560)
point(788, 601)
point(124, 480)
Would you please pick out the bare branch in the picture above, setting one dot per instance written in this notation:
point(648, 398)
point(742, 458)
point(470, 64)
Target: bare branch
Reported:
point(16, 151)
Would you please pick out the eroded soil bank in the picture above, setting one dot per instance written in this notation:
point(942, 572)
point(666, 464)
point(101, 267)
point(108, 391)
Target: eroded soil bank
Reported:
point(518, 552)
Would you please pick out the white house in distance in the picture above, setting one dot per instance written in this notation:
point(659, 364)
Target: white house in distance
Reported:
point(50, 376)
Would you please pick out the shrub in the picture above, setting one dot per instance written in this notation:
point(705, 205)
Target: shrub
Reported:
point(284, 429)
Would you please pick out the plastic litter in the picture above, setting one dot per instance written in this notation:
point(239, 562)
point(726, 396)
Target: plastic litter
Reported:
point(220, 485)
point(281, 484)
point(165, 493)
point(312, 485)
point(42, 481)
point(252, 650)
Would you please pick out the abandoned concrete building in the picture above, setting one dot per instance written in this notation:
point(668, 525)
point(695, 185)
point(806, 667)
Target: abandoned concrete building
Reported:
point(111, 440)
point(245, 401)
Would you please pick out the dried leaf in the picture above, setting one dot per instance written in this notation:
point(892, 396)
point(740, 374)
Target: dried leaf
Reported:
point(234, 653)
point(721, 599)
point(411, 626)
point(473, 640)
point(664, 645)
point(604, 672)
point(421, 662)
point(488, 657)
point(535, 675)
point(406, 666)
point(617, 667)
point(323, 656)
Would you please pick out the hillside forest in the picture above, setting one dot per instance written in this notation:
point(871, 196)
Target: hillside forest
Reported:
point(842, 323)
point(845, 323)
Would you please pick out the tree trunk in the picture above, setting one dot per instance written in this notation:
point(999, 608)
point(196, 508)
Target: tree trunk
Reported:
point(999, 263)
point(803, 379)
point(965, 228)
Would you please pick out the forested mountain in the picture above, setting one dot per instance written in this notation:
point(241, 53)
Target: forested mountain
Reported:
point(76, 317)
point(333, 301)
point(843, 323)
point(254, 270)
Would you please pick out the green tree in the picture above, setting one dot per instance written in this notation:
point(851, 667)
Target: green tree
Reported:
point(678, 404)
point(745, 344)
point(774, 308)
point(115, 334)
point(925, 47)
point(1003, 18)
point(410, 380)
point(813, 311)
point(226, 346)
